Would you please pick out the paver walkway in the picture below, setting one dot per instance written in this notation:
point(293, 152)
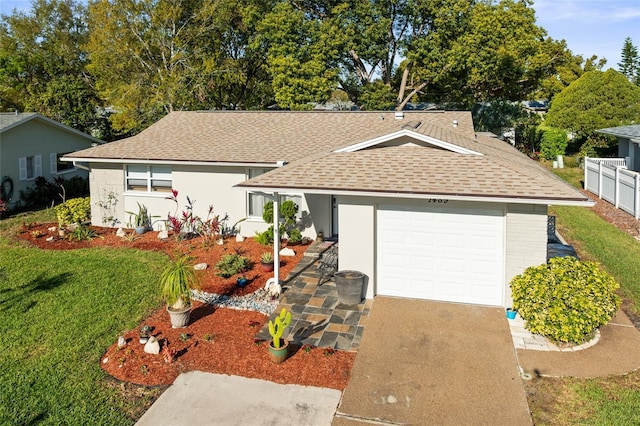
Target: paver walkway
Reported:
point(318, 318)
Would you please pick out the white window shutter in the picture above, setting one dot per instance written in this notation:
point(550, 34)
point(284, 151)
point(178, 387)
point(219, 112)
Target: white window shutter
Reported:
point(37, 166)
point(53, 163)
point(22, 165)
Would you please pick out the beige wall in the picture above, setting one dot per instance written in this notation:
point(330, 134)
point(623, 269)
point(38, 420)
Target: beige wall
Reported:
point(205, 186)
point(33, 138)
point(526, 243)
point(357, 219)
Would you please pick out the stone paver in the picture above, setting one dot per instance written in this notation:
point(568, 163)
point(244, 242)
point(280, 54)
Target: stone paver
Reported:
point(318, 317)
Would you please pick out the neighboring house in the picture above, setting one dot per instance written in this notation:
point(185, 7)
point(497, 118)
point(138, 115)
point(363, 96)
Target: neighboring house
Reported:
point(422, 206)
point(628, 143)
point(31, 145)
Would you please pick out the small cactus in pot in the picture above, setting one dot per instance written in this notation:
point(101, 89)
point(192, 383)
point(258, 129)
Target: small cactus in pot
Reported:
point(278, 347)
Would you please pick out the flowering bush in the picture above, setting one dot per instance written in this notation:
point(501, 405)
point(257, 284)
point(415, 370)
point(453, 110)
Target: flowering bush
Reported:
point(3, 206)
point(189, 225)
point(565, 299)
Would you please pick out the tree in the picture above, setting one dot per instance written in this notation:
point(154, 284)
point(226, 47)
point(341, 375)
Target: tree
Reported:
point(151, 57)
point(594, 101)
point(630, 65)
point(43, 64)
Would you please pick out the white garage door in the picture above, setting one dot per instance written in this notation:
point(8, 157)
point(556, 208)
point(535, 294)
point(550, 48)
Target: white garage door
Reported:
point(441, 253)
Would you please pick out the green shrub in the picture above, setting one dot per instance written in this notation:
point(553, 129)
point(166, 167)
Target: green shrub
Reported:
point(76, 210)
point(565, 299)
point(266, 237)
point(82, 233)
point(553, 142)
point(295, 236)
point(231, 264)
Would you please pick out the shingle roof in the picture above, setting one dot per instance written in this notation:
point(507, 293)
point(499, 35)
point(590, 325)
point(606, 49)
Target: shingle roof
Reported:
point(630, 132)
point(11, 119)
point(261, 136)
point(307, 141)
point(420, 170)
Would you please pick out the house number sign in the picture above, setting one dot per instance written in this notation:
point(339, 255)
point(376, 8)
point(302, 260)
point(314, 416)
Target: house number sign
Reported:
point(437, 200)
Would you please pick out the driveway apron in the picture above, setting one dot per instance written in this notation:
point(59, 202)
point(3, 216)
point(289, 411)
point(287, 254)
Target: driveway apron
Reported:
point(423, 362)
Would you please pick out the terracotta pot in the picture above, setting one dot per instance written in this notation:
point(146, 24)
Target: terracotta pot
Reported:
point(267, 267)
point(179, 319)
point(280, 354)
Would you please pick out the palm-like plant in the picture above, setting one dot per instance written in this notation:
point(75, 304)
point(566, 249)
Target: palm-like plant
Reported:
point(177, 280)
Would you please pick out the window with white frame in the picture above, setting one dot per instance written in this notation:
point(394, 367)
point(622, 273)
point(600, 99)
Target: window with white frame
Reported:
point(30, 167)
point(256, 202)
point(58, 166)
point(145, 178)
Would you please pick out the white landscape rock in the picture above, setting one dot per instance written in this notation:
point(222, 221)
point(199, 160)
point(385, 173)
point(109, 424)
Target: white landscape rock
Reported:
point(287, 252)
point(163, 235)
point(239, 238)
point(200, 266)
point(50, 239)
point(152, 346)
point(120, 232)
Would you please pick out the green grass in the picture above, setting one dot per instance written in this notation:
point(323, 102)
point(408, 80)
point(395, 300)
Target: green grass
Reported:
point(60, 311)
point(601, 401)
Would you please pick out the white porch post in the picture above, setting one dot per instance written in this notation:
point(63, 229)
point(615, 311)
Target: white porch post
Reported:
point(276, 237)
point(586, 172)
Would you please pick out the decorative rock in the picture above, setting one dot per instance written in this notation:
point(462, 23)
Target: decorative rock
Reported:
point(51, 239)
point(287, 252)
point(163, 235)
point(106, 360)
point(52, 229)
point(200, 266)
point(121, 342)
point(220, 241)
point(152, 346)
point(120, 232)
point(239, 238)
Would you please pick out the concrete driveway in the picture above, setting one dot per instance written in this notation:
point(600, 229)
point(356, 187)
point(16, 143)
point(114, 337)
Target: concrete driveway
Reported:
point(423, 362)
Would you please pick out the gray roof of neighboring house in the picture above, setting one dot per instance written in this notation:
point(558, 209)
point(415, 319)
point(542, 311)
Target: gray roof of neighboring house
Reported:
point(9, 120)
point(260, 136)
point(628, 132)
point(422, 154)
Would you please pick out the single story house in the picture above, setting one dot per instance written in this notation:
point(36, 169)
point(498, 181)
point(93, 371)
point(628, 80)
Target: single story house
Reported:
point(32, 145)
point(421, 205)
point(628, 143)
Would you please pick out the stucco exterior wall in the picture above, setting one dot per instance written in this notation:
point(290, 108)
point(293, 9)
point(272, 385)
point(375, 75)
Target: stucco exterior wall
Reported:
point(34, 138)
point(205, 186)
point(526, 243)
point(357, 219)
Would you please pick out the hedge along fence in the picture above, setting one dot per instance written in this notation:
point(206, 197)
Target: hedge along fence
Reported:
point(565, 300)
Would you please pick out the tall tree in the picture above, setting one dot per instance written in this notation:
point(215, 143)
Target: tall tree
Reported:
point(594, 101)
point(151, 57)
point(630, 65)
point(43, 64)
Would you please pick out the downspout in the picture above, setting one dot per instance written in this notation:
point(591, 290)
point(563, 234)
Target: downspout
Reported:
point(80, 166)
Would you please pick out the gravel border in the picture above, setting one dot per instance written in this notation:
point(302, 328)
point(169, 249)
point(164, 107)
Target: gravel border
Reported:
point(258, 301)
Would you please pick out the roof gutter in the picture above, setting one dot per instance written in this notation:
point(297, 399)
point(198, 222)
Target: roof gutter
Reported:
point(168, 162)
point(454, 197)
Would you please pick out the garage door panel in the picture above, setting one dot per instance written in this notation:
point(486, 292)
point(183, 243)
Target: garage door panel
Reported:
point(444, 254)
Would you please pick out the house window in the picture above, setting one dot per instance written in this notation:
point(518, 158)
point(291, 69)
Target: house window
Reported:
point(257, 201)
point(30, 167)
point(143, 178)
point(58, 166)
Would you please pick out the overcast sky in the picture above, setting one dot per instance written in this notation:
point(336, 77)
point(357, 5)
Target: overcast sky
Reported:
point(589, 26)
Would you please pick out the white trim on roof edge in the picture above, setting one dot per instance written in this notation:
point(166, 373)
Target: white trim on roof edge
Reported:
point(488, 199)
point(404, 132)
point(173, 163)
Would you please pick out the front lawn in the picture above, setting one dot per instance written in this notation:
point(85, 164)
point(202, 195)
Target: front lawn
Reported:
point(60, 310)
point(600, 401)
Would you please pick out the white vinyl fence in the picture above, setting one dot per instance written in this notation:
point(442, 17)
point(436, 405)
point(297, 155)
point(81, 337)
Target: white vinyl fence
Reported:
point(610, 180)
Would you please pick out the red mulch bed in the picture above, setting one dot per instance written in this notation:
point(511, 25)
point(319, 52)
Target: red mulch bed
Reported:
point(216, 340)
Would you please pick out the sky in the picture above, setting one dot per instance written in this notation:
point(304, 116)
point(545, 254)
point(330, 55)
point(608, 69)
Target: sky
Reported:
point(590, 27)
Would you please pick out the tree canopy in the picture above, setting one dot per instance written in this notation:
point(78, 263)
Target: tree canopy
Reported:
point(594, 101)
point(630, 64)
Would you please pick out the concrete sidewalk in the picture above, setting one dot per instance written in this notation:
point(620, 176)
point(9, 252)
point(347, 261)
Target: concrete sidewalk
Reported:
point(423, 362)
point(198, 398)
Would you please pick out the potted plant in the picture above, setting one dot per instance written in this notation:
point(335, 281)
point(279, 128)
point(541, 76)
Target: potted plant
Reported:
point(141, 220)
point(278, 347)
point(176, 282)
point(266, 260)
